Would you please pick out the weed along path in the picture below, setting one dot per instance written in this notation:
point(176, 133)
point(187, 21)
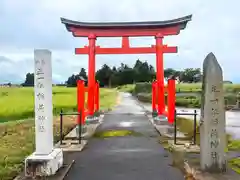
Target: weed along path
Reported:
point(125, 146)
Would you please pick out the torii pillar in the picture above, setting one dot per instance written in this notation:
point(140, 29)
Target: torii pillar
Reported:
point(91, 73)
point(160, 73)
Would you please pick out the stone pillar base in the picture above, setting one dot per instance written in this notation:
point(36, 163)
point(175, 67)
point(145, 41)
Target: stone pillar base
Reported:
point(83, 130)
point(170, 129)
point(92, 120)
point(97, 113)
point(44, 165)
point(161, 120)
point(154, 114)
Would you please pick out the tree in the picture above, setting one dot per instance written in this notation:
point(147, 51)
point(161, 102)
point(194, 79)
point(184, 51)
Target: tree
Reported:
point(227, 82)
point(114, 77)
point(9, 84)
point(103, 75)
point(190, 75)
point(143, 71)
point(72, 80)
point(83, 74)
point(126, 76)
point(169, 72)
point(29, 81)
point(140, 72)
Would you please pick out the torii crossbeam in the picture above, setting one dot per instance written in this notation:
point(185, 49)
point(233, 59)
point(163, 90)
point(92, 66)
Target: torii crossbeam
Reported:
point(158, 29)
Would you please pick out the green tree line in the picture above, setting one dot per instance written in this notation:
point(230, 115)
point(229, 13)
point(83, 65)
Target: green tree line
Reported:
point(124, 74)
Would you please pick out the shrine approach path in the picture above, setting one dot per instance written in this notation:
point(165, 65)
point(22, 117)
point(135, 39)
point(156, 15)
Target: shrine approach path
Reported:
point(131, 157)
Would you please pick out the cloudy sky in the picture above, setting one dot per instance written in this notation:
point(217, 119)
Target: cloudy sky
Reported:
point(27, 25)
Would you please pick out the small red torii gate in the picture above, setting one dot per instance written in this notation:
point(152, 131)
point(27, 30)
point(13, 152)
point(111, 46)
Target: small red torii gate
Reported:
point(158, 29)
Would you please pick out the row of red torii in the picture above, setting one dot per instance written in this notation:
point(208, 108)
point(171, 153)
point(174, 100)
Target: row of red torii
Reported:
point(158, 29)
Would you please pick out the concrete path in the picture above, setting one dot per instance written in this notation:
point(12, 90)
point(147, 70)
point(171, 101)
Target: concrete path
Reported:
point(124, 158)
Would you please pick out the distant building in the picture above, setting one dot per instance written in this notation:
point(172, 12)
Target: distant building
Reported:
point(9, 85)
point(172, 77)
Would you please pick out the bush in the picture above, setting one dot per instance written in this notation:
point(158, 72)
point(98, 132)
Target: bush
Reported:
point(126, 88)
point(236, 90)
point(143, 88)
point(144, 97)
point(230, 99)
point(143, 92)
point(184, 102)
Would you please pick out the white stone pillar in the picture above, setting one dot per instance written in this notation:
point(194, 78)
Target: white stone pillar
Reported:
point(43, 102)
point(46, 160)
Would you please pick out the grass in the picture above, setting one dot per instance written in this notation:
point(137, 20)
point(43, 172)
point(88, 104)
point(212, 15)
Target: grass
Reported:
point(108, 98)
point(183, 87)
point(126, 88)
point(234, 145)
point(17, 142)
point(143, 91)
point(196, 87)
point(17, 139)
point(18, 103)
point(186, 126)
point(235, 164)
point(115, 133)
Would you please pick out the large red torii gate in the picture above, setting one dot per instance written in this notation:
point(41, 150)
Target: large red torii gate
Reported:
point(158, 29)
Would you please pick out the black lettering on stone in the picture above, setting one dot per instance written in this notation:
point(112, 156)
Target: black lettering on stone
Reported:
point(41, 128)
point(40, 107)
point(41, 118)
point(215, 120)
point(215, 112)
point(214, 155)
point(39, 71)
point(40, 96)
point(40, 85)
point(214, 143)
point(40, 77)
point(41, 62)
point(214, 88)
point(214, 101)
point(214, 133)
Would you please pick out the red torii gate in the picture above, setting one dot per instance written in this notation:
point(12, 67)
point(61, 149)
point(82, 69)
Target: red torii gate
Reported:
point(158, 29)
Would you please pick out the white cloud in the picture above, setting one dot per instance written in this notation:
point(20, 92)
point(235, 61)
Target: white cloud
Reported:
point(36, 24)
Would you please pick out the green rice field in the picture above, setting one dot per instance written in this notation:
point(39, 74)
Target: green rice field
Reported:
point(18, 103)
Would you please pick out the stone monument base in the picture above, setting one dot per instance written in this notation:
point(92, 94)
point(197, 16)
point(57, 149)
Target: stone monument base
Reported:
point(44, 165)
